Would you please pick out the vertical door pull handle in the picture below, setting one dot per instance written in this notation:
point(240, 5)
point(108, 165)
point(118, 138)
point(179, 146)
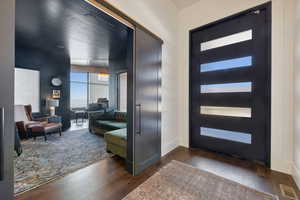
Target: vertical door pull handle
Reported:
point(139, 120)
point(2, 121)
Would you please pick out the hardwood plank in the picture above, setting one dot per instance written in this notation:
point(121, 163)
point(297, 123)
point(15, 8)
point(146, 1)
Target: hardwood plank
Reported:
point(108, 179)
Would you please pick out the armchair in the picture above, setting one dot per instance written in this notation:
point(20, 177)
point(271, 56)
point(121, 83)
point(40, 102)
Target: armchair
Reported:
point(22, 122)
point(35, 116)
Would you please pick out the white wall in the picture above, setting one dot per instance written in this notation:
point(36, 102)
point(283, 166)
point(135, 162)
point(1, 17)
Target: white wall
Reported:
point(161, 17)
point(296, 171)
point(206, 11)
point(27, 88)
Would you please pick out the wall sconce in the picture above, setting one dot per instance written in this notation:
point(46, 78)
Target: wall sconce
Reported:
point(103, 77)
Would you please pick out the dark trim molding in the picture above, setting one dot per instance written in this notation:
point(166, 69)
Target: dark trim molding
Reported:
point(2, 123)
point(268, 7)
point(129, 19)
point(131, 107)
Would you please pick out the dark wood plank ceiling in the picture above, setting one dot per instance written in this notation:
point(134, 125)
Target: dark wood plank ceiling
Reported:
point(74, 25)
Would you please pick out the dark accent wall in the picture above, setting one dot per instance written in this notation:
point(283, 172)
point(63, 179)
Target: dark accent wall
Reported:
point(50, 65)
point(120, 64)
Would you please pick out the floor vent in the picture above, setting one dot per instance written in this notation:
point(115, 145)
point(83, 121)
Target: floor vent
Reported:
point(288, 192)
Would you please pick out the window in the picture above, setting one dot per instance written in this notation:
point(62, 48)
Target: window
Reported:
point(227, 88)
point(27, 88)
point(227, 64)
point(98, 87)
point(226, 111)
point(122, 95)
point(87, 88)
point(227, 40)
point(78, 90)
point(226, 135)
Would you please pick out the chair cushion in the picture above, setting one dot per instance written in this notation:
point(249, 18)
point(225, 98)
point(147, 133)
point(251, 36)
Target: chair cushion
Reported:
point(32, 124)
point(45, 128)
point(112, 124)
point(50, 127)
point(20, 114)
point(117, 137)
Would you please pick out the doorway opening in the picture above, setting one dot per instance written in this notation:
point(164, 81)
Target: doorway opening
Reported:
point(72, 62)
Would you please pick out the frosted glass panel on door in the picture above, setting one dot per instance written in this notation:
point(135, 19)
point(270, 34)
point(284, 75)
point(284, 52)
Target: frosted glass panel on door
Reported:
point(227, 40)
point(226, 88)
point(227, 64)
point(226, 135)
point(226, 111)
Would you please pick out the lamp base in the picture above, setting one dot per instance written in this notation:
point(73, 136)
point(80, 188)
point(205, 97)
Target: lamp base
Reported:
point(52, 112)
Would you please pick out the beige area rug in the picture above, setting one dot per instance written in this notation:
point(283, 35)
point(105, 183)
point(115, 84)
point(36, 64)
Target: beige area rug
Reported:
point(178, 181)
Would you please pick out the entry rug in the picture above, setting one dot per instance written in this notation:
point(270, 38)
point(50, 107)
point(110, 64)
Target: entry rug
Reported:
point(178, 181)
point(42, 161)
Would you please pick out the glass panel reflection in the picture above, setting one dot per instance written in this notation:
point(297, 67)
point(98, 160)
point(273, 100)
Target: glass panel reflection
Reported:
point(227, 40)
point(227, 64)
point(226, 111)
point(226, 88)
point(226, 135)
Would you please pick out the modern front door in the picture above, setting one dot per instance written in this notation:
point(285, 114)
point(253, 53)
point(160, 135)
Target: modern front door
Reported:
point(230, 85)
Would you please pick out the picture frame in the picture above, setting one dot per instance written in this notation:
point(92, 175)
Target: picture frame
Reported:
point(56, 94)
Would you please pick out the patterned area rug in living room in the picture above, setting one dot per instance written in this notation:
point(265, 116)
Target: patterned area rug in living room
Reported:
point(178, 181)
point(43, 161)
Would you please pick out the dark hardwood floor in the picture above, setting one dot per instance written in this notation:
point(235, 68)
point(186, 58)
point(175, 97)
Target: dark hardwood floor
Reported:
point(108, 180)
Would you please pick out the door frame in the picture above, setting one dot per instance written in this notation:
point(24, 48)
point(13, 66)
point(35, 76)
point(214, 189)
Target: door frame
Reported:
point(268, 7)
point(122, 17)
point(7, 63)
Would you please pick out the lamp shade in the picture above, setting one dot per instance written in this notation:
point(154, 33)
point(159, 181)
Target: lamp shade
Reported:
point(53, 103)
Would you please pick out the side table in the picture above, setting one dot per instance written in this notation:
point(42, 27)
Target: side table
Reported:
point(54, 119)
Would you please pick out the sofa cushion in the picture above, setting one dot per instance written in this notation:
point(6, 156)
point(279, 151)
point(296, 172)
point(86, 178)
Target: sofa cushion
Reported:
point(117, 137)
point(112, 124)
point(117, 150)
point(121, 116)
point(95, 107)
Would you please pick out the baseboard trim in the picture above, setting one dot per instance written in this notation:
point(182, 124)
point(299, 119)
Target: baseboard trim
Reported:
point(170, 146)
point(283, 167)
point(296, 175)
point(140, 167)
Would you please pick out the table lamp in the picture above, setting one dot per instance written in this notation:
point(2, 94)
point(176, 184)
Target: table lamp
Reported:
point(53, 103)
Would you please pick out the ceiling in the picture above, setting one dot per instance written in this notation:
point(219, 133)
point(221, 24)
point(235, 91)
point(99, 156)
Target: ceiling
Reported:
point(181, 4)
point(89, 36)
